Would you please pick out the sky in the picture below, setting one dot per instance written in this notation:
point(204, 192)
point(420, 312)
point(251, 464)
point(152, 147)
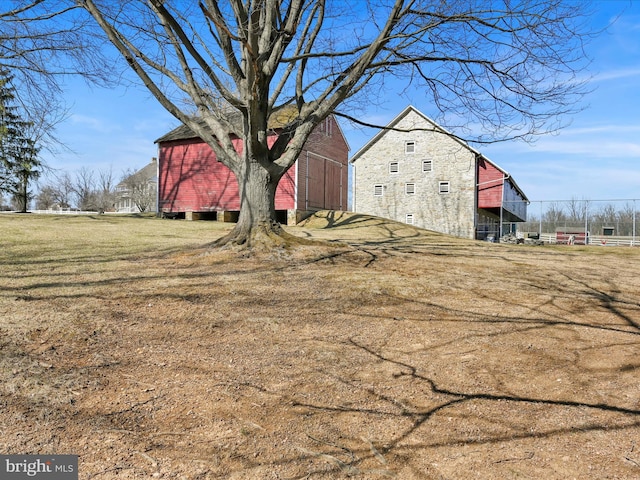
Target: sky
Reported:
point(596, 157)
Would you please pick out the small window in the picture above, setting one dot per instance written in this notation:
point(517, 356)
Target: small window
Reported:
point(393, 167)
point(378, 190)
point(410, 147)
point(444, 187)
point(410, 188)
point(328, 126)
point(409, 218)
point(427, 165)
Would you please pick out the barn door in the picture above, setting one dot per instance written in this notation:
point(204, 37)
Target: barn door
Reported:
point(333, 185)
point(324, 183)
point(315, 183)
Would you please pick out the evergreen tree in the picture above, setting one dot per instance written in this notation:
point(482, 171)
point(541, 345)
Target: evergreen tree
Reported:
point(19, 163)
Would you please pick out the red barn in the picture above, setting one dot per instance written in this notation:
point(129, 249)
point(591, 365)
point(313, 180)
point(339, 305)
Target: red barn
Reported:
point(192, 184)
point(499, 198)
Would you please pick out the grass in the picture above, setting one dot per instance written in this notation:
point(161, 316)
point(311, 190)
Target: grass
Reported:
point(393, 353)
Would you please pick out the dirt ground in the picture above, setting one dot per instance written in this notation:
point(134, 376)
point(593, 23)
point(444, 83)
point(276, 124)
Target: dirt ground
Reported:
point(395, 354)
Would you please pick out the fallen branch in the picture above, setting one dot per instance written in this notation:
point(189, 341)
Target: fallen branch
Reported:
point(154, 462)
point(528, 456)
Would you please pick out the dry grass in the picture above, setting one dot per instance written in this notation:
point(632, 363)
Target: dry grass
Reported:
point(393, 353)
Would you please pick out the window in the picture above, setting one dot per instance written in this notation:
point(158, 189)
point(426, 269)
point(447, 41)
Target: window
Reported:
point(409, 218)
point(378, 190)
point(409, 188)
point(394, 167)
point(326, 126)
point(427, 165)
point(444, 187)
point(410, 146)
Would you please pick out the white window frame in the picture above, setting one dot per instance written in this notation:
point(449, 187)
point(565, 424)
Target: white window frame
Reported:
point(397, 165)
point(328, 128)
point(410, 188)
point(428, 163)
point(410, 147)
point(444, 187)
point(378, 190)
point(409, 219)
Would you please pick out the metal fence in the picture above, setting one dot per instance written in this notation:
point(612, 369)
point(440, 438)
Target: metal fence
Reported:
point(595, 222)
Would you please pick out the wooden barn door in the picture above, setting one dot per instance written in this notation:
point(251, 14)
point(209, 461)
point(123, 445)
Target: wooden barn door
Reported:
point(324, 183)
point(315, 182)
point(333, 185)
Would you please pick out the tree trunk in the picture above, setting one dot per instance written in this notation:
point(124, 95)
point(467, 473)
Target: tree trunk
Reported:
point(23, 193)
point(257, 228)
point(257, 225)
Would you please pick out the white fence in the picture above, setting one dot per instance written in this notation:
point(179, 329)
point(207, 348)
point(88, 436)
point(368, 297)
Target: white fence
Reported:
point(598, 240)
point(65, 211)
point(605, 222)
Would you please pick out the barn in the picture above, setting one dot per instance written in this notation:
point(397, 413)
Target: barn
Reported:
point(416, 172)
point(500, 202)
point(192, 184)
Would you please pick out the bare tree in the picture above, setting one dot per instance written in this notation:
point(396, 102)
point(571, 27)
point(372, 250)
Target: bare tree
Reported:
point(3, 203)
point(57, 191)
point(84, 188)
point(40, 43)
point(627, 217)
point(578, 211)
point(509, 66)
point(105, 190)
point(64, 189)
point(140, 189)
point(554, 217)
point(605, 216)
point(46, 198)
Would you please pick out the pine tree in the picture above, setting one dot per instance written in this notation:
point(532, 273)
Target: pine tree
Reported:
point(19, 163)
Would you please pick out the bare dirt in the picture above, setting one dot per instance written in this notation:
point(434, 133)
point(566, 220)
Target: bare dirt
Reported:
point(398, 353)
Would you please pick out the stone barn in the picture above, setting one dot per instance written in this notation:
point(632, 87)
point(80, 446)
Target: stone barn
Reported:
point(416, 172)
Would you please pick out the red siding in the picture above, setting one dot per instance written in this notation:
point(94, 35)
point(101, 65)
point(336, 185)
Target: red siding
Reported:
point(191, 179)
point(286, 192)
point(490, 186)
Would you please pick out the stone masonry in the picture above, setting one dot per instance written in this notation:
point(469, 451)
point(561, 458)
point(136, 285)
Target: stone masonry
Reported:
point(424, 176)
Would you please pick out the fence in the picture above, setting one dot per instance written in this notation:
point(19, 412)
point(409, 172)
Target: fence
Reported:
point(601, 222)
point(65, 211)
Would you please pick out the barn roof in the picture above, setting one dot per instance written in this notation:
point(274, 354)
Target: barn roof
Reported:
point(277, 120)
point(180, 133)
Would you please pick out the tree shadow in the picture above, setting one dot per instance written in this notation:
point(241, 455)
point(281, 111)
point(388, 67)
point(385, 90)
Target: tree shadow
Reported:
point(406, 440)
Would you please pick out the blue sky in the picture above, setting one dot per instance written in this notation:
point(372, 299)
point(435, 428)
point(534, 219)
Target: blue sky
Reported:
point(597, 157)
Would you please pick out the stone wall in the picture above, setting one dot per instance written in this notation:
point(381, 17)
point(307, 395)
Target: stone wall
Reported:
point(450, 161)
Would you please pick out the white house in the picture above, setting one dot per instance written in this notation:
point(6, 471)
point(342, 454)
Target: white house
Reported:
point(138, 192)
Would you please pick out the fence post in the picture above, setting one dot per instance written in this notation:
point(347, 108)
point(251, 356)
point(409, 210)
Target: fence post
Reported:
point(586, 223)
point(540, 228)
point(633, 235)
